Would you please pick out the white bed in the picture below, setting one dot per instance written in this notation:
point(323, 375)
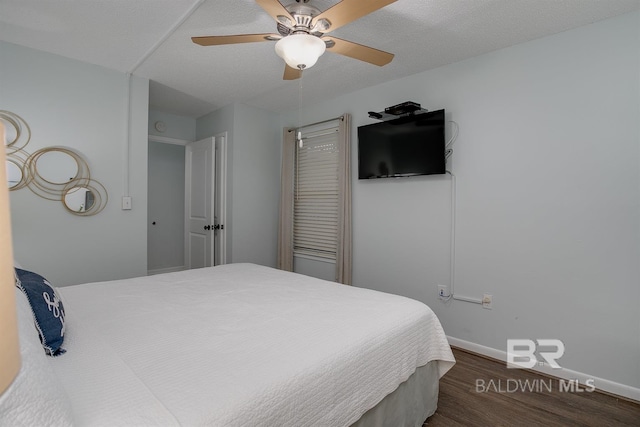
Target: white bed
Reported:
point(246, 345)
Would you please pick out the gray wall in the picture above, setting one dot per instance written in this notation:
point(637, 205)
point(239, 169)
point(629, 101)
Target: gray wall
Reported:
point(548, 197)
point(253, 179)
point(256, 185)
point(81, 106)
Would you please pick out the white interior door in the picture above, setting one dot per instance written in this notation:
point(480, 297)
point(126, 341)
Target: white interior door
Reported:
point(199, 203)
point(220, 201)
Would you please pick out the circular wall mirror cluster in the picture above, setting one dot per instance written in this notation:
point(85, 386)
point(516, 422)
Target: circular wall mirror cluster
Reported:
point(53, 173)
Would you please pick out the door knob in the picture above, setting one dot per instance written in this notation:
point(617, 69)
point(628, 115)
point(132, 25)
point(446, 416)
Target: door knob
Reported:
point(207, 227)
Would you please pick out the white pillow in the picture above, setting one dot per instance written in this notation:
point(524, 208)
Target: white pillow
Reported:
point(34, 398)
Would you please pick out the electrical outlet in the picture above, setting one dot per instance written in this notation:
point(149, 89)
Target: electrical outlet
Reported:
point(487, 301)
point(443, 291)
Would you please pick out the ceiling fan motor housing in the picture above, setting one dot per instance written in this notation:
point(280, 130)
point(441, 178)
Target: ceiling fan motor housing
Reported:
point(303, 15)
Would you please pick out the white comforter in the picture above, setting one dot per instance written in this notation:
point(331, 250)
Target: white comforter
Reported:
point(239, 345)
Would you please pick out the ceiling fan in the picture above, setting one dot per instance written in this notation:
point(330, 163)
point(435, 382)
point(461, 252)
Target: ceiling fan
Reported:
point(302, 30)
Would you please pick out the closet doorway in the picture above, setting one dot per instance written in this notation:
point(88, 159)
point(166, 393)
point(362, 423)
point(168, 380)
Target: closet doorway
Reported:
point(167, 204)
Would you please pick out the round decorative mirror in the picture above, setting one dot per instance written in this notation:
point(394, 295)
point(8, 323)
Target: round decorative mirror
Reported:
point(17, 172)
point(84, 198)
point(79, 199)
point(14, 174)
point(53, 170)
point(57, 167)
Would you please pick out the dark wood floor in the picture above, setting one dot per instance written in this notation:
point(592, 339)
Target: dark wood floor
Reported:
point(482, 392)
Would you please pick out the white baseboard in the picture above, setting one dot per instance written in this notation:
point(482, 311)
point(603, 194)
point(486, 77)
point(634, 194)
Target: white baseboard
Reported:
point(567, 374)
point(165, 270)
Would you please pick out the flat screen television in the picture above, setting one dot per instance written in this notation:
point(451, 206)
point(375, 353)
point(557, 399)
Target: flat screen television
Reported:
point(406, 146)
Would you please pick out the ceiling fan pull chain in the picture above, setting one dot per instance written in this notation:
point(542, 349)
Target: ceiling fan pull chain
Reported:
point(300, 143)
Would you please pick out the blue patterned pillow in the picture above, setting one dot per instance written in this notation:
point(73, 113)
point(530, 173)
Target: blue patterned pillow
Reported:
point(48, 311)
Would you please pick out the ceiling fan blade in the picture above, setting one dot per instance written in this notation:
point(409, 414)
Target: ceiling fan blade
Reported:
point(275, 9)
point(241, 38)
point(291, 73)
point(358, 51)
point(349, 10)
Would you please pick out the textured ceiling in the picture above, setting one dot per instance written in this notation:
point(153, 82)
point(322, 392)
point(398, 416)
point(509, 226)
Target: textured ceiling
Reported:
point(151, 38)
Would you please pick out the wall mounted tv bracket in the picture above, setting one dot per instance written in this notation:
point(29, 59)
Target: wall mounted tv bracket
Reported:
point(405, 109)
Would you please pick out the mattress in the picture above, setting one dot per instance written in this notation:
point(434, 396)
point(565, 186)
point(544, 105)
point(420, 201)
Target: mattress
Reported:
point(239, 345)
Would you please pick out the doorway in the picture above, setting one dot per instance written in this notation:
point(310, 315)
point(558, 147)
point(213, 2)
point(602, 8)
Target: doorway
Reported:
point(165, 210)
point(166, 242)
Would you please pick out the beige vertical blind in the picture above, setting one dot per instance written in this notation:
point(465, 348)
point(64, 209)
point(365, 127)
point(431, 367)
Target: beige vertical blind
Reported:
point(315, 225)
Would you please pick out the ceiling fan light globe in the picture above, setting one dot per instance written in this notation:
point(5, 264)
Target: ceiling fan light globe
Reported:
point(300, 51)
